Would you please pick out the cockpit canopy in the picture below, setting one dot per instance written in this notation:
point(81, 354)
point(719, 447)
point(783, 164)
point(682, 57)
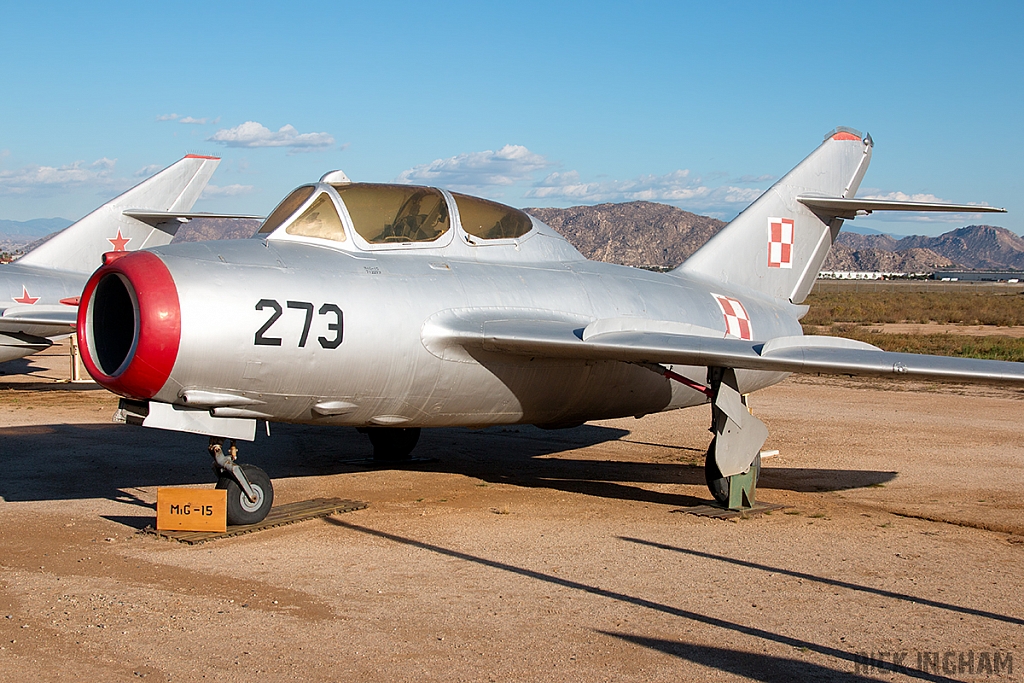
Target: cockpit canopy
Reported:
point(388, 214)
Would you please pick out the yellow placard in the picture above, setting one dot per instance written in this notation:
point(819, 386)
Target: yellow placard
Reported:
point(191, 509)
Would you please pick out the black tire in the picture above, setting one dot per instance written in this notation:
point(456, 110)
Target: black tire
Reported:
point(393, 444)
point(240, 510)
point(717, 484)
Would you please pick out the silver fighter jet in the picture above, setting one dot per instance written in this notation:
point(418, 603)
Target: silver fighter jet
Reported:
point(391, 307)
point(39, 293)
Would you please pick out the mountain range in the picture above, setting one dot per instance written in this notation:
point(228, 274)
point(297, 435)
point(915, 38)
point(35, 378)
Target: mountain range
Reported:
point(647, 234)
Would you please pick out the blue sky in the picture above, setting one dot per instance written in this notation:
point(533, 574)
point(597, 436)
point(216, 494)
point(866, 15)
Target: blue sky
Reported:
point(699, 105)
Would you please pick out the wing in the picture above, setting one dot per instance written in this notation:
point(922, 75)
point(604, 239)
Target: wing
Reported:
point(553, 338)
point(39, 321)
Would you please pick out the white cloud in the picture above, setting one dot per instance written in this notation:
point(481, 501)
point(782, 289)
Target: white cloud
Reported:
point(676, 187)
point(187, 119)
point(227, 190)
point(914, 216)
point(904, 197)
point(481, 172)
point(147, 171)
point(473, 170)
point(29, 179)
point(253, 134)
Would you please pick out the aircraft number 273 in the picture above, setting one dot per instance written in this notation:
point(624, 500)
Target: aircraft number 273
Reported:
point(337, 326)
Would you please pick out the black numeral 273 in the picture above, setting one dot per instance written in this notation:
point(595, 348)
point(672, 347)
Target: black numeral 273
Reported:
point(337, 326)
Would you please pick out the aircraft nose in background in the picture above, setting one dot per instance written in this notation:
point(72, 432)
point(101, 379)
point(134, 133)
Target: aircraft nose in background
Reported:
point(129, 325)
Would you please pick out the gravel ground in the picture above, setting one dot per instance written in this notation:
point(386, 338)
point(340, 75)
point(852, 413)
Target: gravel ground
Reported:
point(516, 554)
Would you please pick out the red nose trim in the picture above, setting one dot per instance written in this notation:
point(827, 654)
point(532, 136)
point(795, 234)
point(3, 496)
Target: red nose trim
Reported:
point(159, 326)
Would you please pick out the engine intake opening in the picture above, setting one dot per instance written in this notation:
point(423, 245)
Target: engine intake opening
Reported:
point(114, 323)
point(129, 325)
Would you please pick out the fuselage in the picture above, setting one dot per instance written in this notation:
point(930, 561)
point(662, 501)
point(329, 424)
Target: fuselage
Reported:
point(312, 332)
point(40, 293)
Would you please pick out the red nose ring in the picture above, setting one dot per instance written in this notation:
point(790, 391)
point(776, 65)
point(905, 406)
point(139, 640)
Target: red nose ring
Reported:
point(156, 315)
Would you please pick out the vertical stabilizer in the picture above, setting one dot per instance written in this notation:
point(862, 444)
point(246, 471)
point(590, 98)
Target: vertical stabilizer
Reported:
point(79, 247)
point(777, 245)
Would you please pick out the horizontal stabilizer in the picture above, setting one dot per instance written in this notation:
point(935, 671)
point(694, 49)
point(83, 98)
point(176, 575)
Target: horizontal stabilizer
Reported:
point(39, 320)
point(155, 218)
point(802, 354)
point(840, 207)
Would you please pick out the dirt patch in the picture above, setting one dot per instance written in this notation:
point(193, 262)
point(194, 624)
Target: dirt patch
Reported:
point(1015, 331)
point(521, 554)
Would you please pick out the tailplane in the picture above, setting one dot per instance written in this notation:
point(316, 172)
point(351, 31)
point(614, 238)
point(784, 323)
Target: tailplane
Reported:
point(127, 222)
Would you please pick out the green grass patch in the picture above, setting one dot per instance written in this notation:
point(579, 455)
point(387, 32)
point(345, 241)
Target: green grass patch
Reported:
point(992, 347)
point(964, 308)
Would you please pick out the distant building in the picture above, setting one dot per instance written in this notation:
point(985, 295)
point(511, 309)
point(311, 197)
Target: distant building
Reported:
point(979, 275)
point(858, 275)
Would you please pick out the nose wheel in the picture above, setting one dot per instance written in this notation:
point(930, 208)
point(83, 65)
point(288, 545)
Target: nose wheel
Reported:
point(250, 494)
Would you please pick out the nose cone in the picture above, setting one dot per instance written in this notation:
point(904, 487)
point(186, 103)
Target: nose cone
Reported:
point(129, 325)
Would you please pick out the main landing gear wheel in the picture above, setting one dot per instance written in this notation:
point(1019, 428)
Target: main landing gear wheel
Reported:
point(241, 510)
point(393, 444)
point(717, 484)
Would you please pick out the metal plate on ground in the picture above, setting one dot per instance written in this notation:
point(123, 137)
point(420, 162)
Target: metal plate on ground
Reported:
point(717, 512)
point(278, 516)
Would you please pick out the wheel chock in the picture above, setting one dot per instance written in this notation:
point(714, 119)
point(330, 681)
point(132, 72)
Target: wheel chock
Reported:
point(742, 490)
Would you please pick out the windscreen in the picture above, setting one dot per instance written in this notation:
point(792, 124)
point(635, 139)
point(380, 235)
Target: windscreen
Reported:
point(285, 209)
point(320, 220)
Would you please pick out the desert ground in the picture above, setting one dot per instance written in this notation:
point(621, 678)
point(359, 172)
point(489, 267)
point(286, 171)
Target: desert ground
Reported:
point(515, 554)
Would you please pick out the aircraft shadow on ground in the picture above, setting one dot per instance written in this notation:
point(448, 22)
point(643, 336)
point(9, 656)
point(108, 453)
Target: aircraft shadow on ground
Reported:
point(73, 461)
point(19, 366)
point(759, 667)
point(755, 666)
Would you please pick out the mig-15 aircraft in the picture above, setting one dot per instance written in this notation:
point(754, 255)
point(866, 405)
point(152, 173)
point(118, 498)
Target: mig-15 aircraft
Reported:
point(393, 307)
point(43, 287)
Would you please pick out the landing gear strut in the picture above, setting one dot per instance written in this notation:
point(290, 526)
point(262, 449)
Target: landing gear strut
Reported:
point(250, 493)
point(733, 462)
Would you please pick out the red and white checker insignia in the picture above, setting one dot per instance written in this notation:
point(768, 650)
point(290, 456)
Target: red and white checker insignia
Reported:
point(737, 321)
point(120, 242)
point(780, 242)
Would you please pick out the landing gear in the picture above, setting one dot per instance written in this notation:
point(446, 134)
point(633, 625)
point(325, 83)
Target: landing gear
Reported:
point(734, 457)
point(721, 486)
point(250, 493)
point(393, 444)
point(241, 510)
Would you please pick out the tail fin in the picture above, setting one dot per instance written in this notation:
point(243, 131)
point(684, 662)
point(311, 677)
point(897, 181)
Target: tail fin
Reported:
point(79, 247)
point(777, 245)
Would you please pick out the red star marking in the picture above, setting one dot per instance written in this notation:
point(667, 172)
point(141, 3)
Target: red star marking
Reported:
point(119, 242)
point(25, 298)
